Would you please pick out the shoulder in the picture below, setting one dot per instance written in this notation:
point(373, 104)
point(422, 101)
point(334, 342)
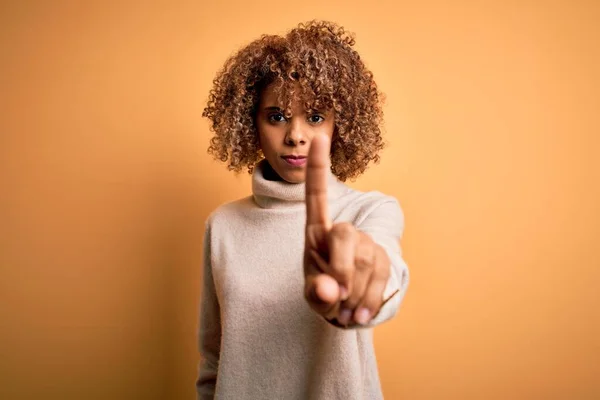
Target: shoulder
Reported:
point(373, 210)
point(368, 202)
point(228, 213)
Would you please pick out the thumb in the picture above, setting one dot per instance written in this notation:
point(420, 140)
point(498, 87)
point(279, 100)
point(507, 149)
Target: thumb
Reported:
point(323, 293)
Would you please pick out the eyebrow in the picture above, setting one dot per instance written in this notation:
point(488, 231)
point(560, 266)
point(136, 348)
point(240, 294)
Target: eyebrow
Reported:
point(279, 109)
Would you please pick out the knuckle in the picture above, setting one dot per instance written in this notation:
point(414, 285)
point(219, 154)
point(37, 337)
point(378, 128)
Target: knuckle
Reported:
point(362, 260)
point(364, 257)
point(342, 230)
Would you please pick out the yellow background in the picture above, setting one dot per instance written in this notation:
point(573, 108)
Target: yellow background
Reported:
point(492, 123)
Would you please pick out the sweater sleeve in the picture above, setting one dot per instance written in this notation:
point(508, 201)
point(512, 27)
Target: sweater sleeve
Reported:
point(209, 337)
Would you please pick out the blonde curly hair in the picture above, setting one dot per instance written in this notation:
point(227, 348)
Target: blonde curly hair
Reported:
point(315, 64)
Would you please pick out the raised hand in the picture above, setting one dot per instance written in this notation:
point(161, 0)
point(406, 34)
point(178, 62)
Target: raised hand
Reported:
point(345, 271)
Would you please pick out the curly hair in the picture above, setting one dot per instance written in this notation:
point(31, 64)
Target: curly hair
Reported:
point(315, 64)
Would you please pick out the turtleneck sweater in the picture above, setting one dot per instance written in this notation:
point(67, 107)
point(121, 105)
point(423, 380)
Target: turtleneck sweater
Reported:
point(258, 337)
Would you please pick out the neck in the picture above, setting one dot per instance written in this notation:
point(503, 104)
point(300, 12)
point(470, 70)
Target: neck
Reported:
point(269, 173)
point(270, 191)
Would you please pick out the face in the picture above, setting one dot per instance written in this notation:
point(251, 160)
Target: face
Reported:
point(285, 141)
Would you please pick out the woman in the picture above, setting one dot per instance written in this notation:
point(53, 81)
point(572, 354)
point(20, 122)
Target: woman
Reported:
point(297, 274)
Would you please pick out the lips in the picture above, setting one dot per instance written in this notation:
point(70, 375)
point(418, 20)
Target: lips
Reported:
point(295, 160)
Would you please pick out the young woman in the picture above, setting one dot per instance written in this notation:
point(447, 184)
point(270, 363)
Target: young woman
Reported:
point(297, 274)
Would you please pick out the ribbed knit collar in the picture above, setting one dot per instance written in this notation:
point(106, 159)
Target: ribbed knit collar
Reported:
point(282, 194)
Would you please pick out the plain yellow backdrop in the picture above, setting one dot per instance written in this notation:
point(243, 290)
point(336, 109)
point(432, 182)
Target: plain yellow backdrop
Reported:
point(492, 124)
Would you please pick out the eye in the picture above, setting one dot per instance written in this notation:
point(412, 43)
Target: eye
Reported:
point(315, 119)
point(276, 118)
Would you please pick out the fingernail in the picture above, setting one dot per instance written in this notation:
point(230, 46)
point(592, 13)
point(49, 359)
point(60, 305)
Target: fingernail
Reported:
point(362, 316)
point(345, 316)
point(343, 293)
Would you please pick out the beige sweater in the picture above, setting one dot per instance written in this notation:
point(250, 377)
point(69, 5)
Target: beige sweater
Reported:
point(259, 339)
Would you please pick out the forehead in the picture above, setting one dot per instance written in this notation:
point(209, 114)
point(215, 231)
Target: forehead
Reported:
point(270, 96)
point(289, 97)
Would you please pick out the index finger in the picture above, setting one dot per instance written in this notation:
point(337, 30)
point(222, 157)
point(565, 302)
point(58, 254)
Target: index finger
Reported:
point(316, 182)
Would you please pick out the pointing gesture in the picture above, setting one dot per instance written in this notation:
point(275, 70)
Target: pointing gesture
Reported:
point(345, 271)
point(317, 213)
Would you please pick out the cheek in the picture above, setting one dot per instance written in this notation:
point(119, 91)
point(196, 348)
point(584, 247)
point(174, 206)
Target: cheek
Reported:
point(261, 131)
point(265, 138)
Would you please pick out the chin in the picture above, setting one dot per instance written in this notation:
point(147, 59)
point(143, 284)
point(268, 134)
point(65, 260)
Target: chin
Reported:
point(294, 177)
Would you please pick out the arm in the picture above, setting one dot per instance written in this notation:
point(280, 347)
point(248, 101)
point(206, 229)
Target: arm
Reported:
point(383, 229)
point(353, 272)
point(209, 338)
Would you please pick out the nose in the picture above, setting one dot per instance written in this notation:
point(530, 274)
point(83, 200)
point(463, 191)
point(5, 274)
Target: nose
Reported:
point(295, 134)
